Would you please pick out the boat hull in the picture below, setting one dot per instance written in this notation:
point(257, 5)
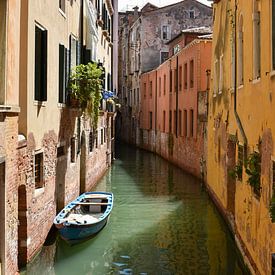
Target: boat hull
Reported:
point(75, 234)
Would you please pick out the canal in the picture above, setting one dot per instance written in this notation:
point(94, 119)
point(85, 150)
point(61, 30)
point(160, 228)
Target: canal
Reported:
point(163, 222)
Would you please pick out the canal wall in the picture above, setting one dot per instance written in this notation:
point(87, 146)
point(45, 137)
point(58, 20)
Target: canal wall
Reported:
point(186, 153)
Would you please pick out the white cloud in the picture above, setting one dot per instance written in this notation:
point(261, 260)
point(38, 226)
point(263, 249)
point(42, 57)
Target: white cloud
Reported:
point(129, 4)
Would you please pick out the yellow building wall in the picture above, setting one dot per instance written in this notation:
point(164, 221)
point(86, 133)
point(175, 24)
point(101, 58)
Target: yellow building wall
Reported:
point(256, 110)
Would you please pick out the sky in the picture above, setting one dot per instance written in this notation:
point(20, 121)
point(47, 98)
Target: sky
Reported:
point(129, 4)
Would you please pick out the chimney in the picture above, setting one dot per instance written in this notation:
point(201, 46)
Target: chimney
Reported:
point(135, 12)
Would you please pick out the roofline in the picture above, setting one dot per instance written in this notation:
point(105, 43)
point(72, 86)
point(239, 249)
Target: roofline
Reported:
point(177, 4)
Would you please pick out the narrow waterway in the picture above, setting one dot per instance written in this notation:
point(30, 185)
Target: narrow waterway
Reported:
point(163, 222)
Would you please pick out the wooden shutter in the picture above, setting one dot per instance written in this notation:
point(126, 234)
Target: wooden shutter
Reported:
point(44, 65)
point(61, 74)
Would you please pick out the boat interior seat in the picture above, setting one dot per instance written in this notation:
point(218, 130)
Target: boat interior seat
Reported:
point(95, 208)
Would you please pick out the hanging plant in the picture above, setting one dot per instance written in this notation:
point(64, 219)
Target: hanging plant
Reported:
point(86, 86)
point(237, 172)
point(253, 170)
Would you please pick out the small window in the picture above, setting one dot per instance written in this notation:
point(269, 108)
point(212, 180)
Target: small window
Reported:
point(159, 86)
point(175, 122)
point(163, 56)
point(164, 120)
point(62, 74)
point(73, 150)
point(185, 123)
point(175, 80)
point(165, 32)
point(38, 170)
point(101, 137)
point(60, 151)
point(62, 5)
point(150, 120)
point(151, 88)
point(91, 141)
point(164, 84)
point(96, 139)
point(170, 121)
point(105, 130)
point(191, 74)
point(185, 76)
point(180, 78)
point(191, 123)
point(171, 81)
point(144, 90)
point(180, 122)
point(41, 45)
point(191, 14)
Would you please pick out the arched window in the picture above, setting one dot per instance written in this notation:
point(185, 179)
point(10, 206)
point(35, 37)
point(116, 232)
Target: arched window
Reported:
point(240, 51)
point(256, 41)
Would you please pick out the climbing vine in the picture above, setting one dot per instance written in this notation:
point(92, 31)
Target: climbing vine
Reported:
point(86, 86)
point(237, 171)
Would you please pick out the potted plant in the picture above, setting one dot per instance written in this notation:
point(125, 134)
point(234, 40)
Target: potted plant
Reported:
point(86, 85)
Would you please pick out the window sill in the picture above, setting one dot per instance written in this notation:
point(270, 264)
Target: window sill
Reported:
point(62, 13)
point(240, 87)
point(61, 105)
point(39, 103)
point(256, 80)
point(39, 191)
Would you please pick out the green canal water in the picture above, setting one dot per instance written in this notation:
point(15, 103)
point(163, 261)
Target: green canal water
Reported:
point(162, 223)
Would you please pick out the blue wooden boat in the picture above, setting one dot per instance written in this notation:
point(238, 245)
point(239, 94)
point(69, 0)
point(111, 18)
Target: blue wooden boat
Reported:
point(85, 216)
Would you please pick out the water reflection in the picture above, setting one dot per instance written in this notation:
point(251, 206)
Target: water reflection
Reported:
point(162, 223)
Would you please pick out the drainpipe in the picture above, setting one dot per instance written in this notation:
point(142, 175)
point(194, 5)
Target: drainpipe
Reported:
point(177, 94)
point(156, 102)
point(239, 123)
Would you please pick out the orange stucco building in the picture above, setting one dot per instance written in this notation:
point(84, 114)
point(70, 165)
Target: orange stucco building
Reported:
point(173, 106)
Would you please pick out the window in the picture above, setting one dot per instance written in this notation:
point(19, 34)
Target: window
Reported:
point(105, 131)
point(91, 141)
point(176, 49)
point(180, 78)
point(134, 95)
point(38, 170)
point(170, 121)
point(144, 90)
point(101, 136)
point(40, 64)
point(191, 123)
point(159, 86)
point(73, 150)
point(175, 80)
point(62, 5)
point(151, 88)
point(137, 95)
point(163, 124)
point(62, 74)
point(163, 56)
point(256, 41)
point(164, 84)
point(185, 76)
point(175, 122)
point(185, 123)
point(191, 14)
point(96, 139)
point(165, 32)
point(171, 81)
point(150, 120)
point(191, 74)
point(240, 52)
point(60, 151)
point(180, 123)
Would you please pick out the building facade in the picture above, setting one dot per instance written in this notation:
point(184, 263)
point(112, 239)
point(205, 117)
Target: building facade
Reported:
point(240, 161)
point(49, 152)
point(143, 47)
point(173, 107)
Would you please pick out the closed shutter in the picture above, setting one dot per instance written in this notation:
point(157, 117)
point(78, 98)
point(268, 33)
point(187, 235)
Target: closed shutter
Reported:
point(62, 57)
point(44, 65)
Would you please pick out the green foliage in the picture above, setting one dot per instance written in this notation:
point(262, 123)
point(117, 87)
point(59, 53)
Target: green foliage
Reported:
point(253, 170)
point(86, 85)
point(237, 172)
